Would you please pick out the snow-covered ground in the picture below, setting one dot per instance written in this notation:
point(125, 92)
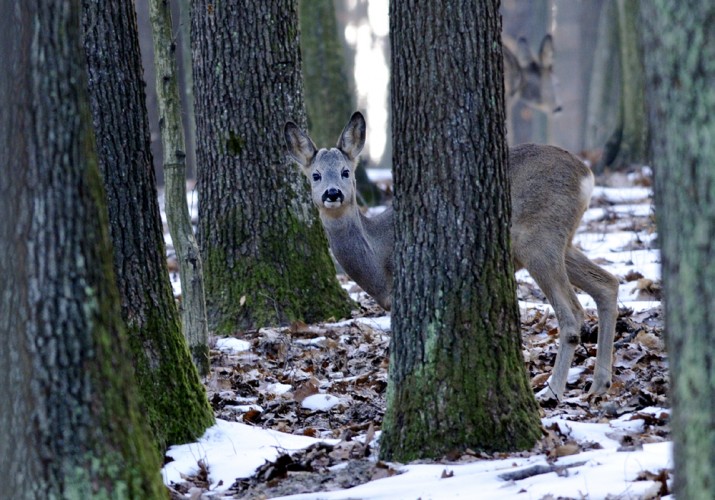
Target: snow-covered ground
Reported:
point(601, 466)
point(231, 450)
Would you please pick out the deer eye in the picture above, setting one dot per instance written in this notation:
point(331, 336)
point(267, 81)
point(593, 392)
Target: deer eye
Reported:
point(345, 174)
point(316, 177)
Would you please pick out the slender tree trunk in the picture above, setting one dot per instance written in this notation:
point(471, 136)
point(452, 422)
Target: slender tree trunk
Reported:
point(589, 25)
point(604, 88)
point(187, 84)
point(457, 376)
point(173, 396)
point(193, 303)
point(681, 92)
point(264, 249)
point(70, 414)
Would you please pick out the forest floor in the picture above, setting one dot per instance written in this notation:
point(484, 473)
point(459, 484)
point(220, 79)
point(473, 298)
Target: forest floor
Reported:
point(328, 380)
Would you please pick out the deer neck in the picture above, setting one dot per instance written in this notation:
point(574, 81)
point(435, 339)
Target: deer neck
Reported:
point(348, 237)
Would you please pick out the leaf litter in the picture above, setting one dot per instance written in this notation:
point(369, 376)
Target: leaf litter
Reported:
point(345, 363)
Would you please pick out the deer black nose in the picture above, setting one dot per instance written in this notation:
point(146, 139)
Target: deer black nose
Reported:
point(333, 194)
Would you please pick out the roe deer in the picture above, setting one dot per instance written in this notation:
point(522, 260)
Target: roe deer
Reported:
point(550, 191)
point(528, 78)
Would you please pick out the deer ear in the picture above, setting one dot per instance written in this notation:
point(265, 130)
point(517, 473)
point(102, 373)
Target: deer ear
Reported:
point(352, 139)
point(523, 52)
point(300, 146)
point(546, 52)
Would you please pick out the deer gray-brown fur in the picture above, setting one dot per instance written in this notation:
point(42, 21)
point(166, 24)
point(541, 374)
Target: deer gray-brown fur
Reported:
point(550, 191)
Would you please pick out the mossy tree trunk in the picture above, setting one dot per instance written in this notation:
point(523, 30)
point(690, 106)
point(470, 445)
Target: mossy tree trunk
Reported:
point(265, 253)
point(193, 300)
point(457, 376)
point(174, 399)
point(681, 94)
point(72, 425)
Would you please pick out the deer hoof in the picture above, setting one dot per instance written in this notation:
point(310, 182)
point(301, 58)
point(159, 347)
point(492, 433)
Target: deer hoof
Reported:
point(547, 397)
point(599, 386)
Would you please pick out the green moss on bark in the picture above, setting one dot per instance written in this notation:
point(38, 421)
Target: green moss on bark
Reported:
point(460, 411)
point(275, 286)
point(122, 451)
point(172, 420)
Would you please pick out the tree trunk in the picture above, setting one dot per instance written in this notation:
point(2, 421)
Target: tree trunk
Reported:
point(186, 79)
point(457, 375)
point(265, 252)
point(627, 145)
point(193, 301)
point(70, 416)
point(604, 85)
point(681, 92)
point(174, 399)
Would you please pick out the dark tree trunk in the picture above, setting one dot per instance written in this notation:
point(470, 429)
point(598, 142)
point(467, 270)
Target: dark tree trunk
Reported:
point(681, 90)
point(70, 416)
point(173, 396)
point(265, 253)
point(457, 376)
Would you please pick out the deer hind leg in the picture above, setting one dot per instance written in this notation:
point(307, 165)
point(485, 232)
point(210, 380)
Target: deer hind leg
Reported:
point(552, 278)
point(603, 287)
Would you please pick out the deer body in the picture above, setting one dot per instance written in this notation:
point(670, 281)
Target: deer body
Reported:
point(550, 191)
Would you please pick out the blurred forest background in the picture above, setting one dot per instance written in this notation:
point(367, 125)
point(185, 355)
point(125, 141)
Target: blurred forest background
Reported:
point(597, 75)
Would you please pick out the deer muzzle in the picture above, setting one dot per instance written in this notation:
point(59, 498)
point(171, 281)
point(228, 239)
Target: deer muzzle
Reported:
point(333, 198)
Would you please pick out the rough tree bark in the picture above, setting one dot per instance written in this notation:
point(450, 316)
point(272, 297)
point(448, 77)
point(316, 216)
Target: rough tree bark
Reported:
point(71, 422)
point(193, 300)
point(173, 396)
point(457, 376)
point(265, 253)
point(679, 55)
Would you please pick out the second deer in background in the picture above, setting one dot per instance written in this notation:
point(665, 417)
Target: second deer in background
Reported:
point(550, 191)
point(529, 79)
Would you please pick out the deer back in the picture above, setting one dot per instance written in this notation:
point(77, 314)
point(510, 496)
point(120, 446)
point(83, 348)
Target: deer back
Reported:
point(550, 191)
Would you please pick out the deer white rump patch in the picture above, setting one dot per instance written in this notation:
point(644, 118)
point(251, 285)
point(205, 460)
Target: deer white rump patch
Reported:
point(587, 184)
